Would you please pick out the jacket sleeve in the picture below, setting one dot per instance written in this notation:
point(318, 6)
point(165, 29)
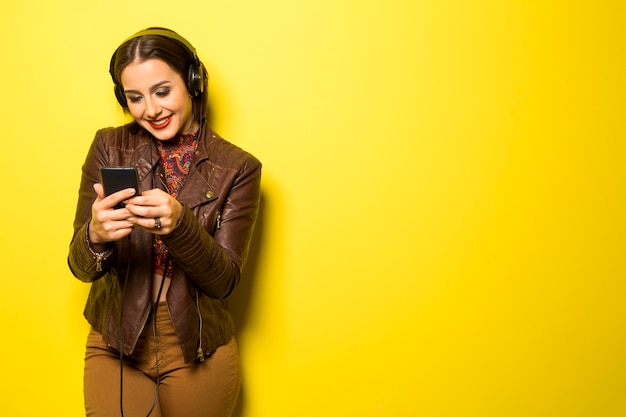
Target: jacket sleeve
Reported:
point(215, 262)
point(83, 262)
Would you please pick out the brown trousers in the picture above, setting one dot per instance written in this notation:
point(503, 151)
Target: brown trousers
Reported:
point(207, 389)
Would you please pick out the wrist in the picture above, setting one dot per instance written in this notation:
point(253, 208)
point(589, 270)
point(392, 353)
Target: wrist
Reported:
point(181, 214)
point(93, 244)
point(99, 251)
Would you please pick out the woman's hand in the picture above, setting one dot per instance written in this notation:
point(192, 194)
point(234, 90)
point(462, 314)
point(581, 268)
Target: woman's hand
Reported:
point(155, 210)
point(107, 223)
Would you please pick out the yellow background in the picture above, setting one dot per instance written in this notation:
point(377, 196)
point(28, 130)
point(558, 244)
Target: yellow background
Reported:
point(442, 229)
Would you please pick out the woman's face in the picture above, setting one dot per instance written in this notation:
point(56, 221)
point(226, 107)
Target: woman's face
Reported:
point(157, 99)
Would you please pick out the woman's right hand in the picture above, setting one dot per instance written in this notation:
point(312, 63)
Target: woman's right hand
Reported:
point(107, 223)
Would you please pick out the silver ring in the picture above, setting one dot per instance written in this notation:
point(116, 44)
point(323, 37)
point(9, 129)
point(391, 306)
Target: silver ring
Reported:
point(157, 223)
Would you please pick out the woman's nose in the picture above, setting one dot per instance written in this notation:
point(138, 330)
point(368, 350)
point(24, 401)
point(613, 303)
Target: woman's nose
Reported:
point(152, 108)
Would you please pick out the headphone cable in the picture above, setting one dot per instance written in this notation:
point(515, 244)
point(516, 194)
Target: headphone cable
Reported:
point(122, 334)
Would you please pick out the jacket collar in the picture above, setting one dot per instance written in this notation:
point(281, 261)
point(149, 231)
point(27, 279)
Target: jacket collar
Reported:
point(197, 188)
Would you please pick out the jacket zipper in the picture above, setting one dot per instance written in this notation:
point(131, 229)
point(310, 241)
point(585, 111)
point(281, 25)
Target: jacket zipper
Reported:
point(162, 179)
point(99, 258)
point(199, 351)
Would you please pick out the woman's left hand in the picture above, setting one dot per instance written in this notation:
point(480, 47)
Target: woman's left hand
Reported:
point(155, 210)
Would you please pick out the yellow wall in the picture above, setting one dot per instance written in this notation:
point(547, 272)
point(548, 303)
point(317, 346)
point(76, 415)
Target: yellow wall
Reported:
point(443, 225)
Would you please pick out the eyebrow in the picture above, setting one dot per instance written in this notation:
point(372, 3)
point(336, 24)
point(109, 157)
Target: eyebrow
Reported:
point(152, 89)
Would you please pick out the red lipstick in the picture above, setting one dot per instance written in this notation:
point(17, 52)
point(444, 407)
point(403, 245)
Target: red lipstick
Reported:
point(161, 123)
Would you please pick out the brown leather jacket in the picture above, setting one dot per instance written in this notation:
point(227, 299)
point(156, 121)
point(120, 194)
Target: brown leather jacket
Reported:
point(208, 247)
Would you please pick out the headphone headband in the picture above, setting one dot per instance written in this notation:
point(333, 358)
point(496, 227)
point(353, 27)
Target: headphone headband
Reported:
point(167, 33)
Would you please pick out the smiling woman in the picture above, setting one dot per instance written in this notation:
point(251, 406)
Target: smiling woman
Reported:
point(158, 99)
point(161, 266)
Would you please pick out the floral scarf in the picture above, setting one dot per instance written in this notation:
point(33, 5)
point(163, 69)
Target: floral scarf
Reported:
point(176, 157)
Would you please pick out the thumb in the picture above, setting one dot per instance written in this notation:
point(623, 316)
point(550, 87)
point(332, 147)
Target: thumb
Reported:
point(99, 190)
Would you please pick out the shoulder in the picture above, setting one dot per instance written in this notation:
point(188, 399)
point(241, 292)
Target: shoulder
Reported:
point(226, 154)
point(120, 136)
point(123, 145)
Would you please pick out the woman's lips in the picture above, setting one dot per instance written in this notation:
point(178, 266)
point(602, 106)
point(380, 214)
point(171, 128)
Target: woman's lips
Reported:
point(160, 123)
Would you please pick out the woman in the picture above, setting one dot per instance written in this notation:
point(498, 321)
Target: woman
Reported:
point(161, 340)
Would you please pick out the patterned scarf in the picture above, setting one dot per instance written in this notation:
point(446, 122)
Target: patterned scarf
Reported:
point(176, 157)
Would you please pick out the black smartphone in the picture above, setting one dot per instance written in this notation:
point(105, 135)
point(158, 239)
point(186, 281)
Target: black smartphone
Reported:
point(119, 178)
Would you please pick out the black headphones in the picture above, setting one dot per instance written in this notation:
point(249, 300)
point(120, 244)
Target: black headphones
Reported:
point(196, 77)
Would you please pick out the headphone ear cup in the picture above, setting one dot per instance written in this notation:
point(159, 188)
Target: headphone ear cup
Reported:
point(195, 80)
point(120, 96)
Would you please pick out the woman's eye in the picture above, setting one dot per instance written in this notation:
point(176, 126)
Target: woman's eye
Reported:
point(162, 93)
point(133, 99)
